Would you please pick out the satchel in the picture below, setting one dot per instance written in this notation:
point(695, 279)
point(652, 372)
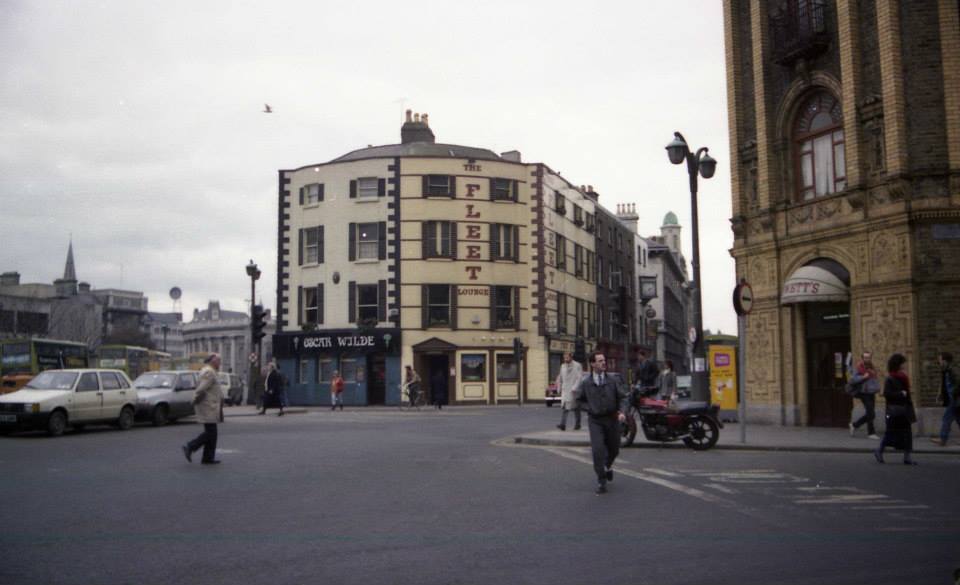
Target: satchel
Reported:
point(902, 411)
point(852, 389)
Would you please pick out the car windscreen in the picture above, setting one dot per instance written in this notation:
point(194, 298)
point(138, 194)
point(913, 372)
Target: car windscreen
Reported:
point(153, 380)
point(52, 380)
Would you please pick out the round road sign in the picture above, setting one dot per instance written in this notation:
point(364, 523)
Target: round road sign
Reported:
point(743, 298)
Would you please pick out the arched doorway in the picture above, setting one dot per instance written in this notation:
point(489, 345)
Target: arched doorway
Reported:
point(820, 292)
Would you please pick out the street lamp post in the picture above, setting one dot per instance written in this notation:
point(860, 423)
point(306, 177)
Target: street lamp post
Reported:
point(699, 163)
point(165, 328)
point(254, 273)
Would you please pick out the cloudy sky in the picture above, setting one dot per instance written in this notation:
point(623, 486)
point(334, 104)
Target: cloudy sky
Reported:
point(136, 126)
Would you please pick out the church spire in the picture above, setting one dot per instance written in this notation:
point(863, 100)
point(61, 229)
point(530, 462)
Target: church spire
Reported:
point(69, 271)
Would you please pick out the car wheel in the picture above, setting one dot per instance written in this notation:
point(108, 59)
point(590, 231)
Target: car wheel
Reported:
point(160, 415)
point(57, 423)
point(125, 420)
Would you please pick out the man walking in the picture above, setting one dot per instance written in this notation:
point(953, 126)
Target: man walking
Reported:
point(567, 381)
point(606, 400)
point(208, 406)
point(949, 397)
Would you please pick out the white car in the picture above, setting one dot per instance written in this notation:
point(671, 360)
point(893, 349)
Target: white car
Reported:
point(57, 399)
point(165, 396)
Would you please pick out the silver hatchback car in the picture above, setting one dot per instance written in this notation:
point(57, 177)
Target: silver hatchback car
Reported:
point(165, 396)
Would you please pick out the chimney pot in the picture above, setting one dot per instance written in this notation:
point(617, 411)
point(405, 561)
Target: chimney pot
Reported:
point(409, 115)
point(416, 117)
point(424, 120)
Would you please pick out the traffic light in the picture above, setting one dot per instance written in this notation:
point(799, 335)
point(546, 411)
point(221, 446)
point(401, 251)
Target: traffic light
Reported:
point(258, 323)
point(517, 349)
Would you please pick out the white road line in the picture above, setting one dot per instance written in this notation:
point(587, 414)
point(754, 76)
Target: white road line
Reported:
point(699, 494)
point(720, 488)
point(892, 507)
point(662, 472)
point(849, 499)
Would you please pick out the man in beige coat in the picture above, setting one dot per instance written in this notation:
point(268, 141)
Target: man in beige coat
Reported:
point(208, 406)
point(570, 375)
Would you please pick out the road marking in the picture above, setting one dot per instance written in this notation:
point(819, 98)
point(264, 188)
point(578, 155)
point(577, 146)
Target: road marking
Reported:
point(699, 494)
point(662, 472)
point(893, 507)
point(720, 488)
point(837, 499)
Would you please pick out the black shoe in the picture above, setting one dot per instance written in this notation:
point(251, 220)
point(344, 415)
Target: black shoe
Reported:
point(334, 407)
point(601, 488)
point(576, 428)
point(280, 413)
point(878, 456)
point(561, 427)
point(609, 474)
point(909, 462)
point(187, 453)
point(211, 462)
point(264, 411)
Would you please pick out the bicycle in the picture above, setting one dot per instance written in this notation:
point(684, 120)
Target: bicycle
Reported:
point(409, 399)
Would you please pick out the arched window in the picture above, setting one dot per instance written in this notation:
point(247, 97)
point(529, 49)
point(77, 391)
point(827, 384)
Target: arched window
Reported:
point(818, 143)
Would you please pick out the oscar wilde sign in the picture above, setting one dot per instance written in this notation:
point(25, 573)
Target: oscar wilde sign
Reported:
point(336, 341)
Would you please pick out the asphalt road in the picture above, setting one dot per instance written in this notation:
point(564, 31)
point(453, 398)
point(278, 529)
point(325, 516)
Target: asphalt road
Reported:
point(383, 496)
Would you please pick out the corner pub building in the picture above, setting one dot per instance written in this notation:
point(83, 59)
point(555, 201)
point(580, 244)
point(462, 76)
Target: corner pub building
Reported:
point(423, 254)
point(845, 127)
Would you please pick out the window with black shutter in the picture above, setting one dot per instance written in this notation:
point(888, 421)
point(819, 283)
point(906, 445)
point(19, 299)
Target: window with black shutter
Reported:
point(368, 304)
point(503, 189)
point(439, 186)
point(352, 302)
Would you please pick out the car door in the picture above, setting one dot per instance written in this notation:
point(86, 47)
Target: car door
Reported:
point(87, 398)
point(114, 395)
point(183, 403)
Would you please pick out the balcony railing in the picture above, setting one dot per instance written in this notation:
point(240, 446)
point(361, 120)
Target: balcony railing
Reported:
point(800, 31)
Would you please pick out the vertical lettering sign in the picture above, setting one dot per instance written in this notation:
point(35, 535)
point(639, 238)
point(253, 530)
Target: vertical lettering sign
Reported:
point(473, 233)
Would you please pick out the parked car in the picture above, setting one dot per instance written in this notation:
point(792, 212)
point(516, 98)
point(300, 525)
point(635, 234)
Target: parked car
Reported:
point(232, 388)
point(165, 396)
point(57, 399)
point(552, 395)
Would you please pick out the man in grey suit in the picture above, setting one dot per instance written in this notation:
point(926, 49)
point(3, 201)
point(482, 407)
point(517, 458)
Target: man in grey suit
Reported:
point(606, 400)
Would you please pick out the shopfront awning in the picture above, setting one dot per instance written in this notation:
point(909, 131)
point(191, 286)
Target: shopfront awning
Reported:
point(813, 284)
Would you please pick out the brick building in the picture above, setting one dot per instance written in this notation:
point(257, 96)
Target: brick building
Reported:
point(845, 137)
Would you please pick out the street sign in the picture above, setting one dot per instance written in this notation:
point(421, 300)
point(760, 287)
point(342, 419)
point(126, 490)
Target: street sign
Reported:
point(253, 358)
point(743, 298)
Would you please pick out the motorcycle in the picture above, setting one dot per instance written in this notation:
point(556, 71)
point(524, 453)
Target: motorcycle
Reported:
point(697, 424)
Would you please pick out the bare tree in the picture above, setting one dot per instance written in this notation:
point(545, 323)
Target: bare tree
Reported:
point(77, 319)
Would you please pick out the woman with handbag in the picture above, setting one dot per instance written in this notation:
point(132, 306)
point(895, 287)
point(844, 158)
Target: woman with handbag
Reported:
point(900, 412)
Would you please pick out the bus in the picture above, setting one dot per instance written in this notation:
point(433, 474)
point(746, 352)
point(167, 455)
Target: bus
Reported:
point(195, 360)
point(133, 360)
point(22, 359)
point(159, 360)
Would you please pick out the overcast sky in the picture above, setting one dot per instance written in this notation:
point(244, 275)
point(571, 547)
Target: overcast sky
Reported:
point(136, 126)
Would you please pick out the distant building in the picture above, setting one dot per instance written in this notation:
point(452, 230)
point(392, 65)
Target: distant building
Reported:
point(166, 333)
point(672, 303)
point(227, 333)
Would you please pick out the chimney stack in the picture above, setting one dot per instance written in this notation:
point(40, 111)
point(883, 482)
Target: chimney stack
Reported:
point(417, 129)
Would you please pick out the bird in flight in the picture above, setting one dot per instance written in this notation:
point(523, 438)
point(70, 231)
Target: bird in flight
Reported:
point(267, 109)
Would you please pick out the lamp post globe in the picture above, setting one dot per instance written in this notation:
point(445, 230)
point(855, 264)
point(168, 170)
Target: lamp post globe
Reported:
point(708, 165)
point(677, 150)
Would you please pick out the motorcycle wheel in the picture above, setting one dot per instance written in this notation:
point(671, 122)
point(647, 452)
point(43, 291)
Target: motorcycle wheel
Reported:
point(704, 433)
point(628, 431)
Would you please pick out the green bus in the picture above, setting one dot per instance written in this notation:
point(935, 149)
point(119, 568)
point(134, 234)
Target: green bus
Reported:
point(133, 360)
point(22, 359)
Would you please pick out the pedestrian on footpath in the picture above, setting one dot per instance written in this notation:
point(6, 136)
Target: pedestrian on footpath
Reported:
point(411, 382)
point(336, 391)
point(208, 406)
point(438, 388)
point(606, 400)
point(900, 412)
point(867, 380)
point(568, 379)
point(949, 397)
point(667, 382)
point(274, 395)
point(647, 372)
